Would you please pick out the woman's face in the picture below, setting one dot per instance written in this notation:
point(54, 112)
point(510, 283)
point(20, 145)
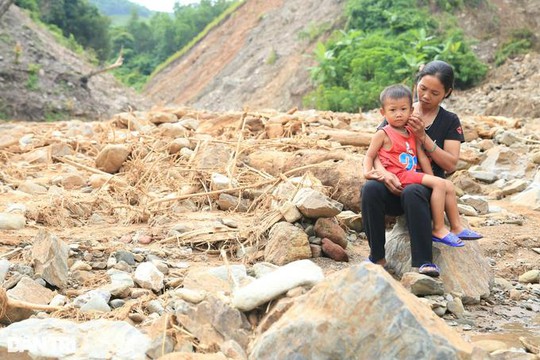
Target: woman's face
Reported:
point(430, 92)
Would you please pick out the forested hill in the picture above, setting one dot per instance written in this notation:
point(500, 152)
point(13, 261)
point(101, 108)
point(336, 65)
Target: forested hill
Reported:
point(120, 7)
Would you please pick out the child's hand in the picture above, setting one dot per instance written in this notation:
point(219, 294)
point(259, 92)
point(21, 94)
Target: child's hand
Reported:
point(374, 175)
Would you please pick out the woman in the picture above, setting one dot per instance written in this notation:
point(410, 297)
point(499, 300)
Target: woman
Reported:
point(441, 135)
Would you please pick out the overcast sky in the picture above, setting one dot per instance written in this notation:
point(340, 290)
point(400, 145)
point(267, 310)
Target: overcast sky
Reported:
point(162, 5)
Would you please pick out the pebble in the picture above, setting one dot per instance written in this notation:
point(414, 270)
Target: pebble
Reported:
point(117, 303)
point(125, 256)
point(136, 317)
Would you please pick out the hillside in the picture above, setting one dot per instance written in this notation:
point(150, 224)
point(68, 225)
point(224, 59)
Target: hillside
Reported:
point(260, 57)
point(120, 8)
point(41, 80)
point(257, 58)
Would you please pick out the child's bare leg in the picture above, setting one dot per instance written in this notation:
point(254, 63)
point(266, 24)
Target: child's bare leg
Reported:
point(452, 209)
point(437, 201)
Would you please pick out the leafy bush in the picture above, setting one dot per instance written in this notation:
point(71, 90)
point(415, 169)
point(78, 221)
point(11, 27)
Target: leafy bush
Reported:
point(521, 41)
point(385, 42)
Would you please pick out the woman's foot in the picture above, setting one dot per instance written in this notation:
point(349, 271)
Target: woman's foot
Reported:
point(429, 269)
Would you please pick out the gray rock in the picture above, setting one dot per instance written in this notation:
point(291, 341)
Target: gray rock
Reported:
point(506, 163)
point(213, 321)
point(83, 299)
point(49, 256)
point(4, 269)
point(376, 322)
point(286, 243)
point(421, 285)
point(473, 283)
point(467, 210)
point(532, 276)
point(313, 204)
point(121, 283)
point(477, 202)
point(10, 221)
point(117, 303)
point(96, 303)
point(148, 276)
point(125, 256)
point(479, 174)
point(514, 186)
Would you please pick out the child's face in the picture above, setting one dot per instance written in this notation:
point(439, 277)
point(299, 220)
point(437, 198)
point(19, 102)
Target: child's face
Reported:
point(397, 111)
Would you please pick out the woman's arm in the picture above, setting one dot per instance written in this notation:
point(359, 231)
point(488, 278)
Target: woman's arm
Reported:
point(423, 160)
point(446, 157)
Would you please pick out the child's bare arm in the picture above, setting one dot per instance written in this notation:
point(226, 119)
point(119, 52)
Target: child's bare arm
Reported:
point(375, 145)
point(423, 160)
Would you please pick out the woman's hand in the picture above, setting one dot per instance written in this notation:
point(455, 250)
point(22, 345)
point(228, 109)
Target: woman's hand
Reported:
point(417, 126)
point(392, 183)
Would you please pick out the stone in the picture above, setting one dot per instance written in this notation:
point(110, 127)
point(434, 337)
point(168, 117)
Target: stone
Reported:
point(314, 204)
point(161, 117)
point(290, 212)
point(125, 256)
point(334, 251)
point(230, 202)
point(26, 290)
point(63, 339)
point(479, 174)
point(95, 304)
point(12, 221)
point(72, 181)
point(182, 355)
point(477, 202)
point(286, 243)
point(50, 259)
point(189, 295)
point(530, 277)
point(422, 285)
point(178, 144)
point(32, 188)
point(330, 229)
point(220, 182)
point(4, 269)
point(351, 220)
point(148, 276)
point(505, 162)
point(190, 123)
point(359, 310)
point(80, 265)
point(213, 156)
point(473, 283)
point(316, 250)
point(530, 197)
point(213, 321)
point(232, 350)
point(455, 306)
point(276, 283)
point(121, 283)
point(490, 345)
point(111, 158)
point(87, 297)
point(514, 186)
point(173, 130)
point(467, 210)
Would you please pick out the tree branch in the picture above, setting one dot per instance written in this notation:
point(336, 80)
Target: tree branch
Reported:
point(84, 79)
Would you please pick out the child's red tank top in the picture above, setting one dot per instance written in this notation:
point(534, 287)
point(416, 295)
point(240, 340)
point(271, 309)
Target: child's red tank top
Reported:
point(401, 157)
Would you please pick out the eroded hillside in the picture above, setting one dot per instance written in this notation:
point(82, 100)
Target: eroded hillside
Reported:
point(41, 80)
point(258, 58)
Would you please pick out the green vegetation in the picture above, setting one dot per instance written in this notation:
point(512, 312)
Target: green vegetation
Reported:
point(145, 42)
point(32, 83)
point(272, 57)
point(215, 22)
point(521, 41)
point(384, 42)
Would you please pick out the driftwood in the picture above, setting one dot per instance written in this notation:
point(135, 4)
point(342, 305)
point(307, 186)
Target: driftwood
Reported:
point(84, 79)
point(346, 137)
point(4, 6)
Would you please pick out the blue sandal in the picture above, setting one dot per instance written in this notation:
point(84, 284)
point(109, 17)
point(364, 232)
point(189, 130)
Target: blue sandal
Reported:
point(429, 269)
point(450, 239)
point(468, 234)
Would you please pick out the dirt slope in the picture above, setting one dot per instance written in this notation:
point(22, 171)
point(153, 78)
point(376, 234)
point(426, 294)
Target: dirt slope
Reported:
point(257, 58)
point(40, 80)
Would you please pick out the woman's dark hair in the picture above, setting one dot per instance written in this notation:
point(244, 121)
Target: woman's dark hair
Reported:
point(442, 71)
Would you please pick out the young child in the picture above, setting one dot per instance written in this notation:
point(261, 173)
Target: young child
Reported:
point(400, 153)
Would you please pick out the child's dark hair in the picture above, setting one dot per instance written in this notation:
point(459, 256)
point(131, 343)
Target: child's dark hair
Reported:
point(442, 71)
point(395, 92)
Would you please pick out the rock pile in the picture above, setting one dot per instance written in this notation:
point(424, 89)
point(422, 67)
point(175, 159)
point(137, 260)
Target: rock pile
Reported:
point(119, 221)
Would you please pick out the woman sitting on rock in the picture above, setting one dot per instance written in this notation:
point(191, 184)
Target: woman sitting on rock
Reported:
point(441, 135)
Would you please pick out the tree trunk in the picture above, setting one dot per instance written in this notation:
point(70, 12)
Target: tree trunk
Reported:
point(4, 6)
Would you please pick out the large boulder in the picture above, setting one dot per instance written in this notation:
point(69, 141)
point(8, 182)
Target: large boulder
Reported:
point(464, 270)
point(286, 243)
point(359, 312)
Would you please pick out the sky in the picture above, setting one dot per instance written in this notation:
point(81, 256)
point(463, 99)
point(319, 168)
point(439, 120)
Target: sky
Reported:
point(162, 5)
